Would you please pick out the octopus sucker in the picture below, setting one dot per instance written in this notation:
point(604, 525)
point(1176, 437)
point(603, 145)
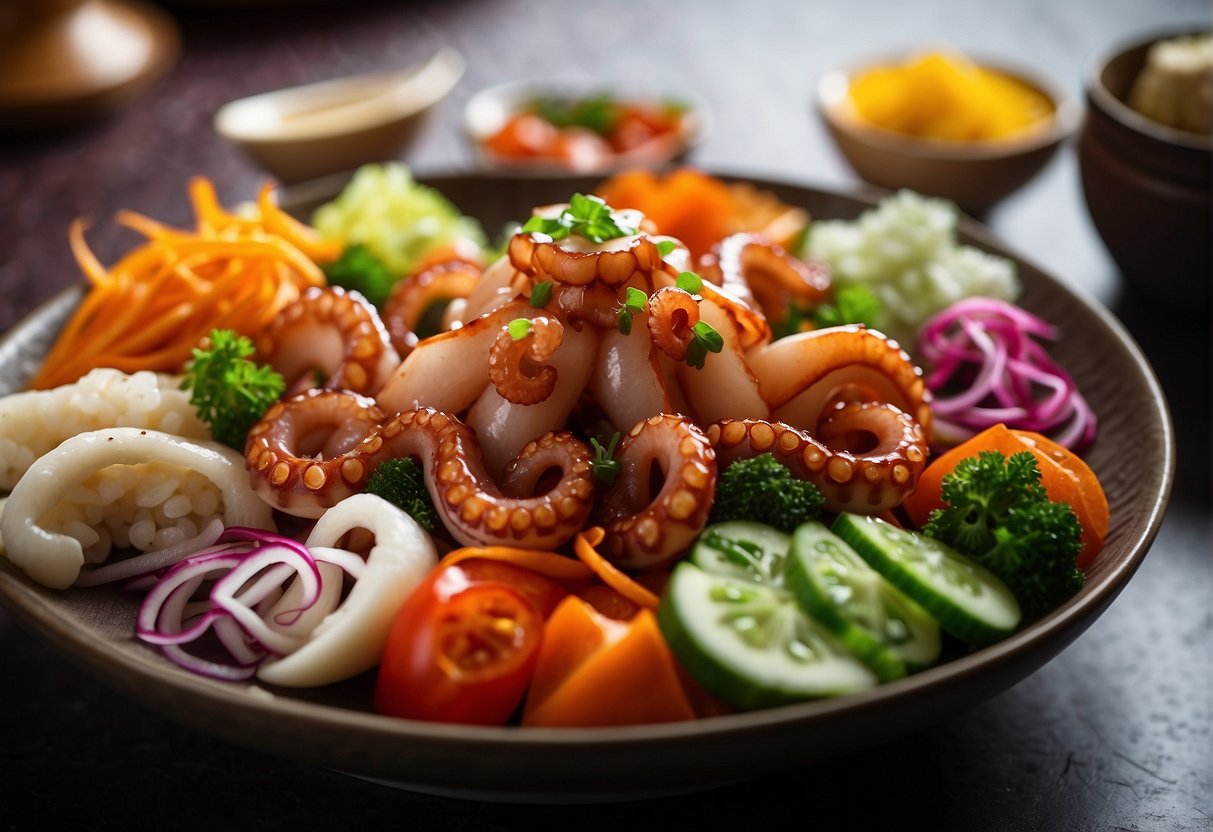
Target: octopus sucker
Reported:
point(804, 375)
point(312, 451)
point(455, 474)
point(866, 457)
point(612, 264)
point(646, 530)
point(334, 333)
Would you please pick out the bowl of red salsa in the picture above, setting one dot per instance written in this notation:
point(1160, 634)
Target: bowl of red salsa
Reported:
point(532, 127)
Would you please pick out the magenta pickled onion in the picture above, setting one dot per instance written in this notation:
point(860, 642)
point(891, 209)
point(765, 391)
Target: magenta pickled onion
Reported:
point(986, 369)
point(244, 575)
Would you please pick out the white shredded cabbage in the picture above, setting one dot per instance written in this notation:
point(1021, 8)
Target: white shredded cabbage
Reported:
point(905, 251)
point(399, 220)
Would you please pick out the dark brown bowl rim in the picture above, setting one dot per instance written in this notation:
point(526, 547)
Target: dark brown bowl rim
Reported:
point(1122, 113)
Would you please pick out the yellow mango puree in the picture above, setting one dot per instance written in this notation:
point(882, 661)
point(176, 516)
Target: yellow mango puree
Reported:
point(940, 96)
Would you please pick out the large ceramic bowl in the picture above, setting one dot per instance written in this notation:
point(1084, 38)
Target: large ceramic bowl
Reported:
point(335, 726)
point(974, 175)
point(1147, 185)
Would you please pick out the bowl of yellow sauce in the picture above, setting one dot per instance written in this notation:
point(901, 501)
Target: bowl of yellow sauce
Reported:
point(945, 125)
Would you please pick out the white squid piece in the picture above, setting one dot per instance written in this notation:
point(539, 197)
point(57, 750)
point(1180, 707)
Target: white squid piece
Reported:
point(55, 559)
point(351, 639)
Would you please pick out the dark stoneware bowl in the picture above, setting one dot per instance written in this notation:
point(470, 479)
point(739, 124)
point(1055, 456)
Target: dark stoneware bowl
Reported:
point(335, 727)
point(1147, 186)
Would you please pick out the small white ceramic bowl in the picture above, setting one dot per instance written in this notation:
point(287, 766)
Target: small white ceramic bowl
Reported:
point(305, 132)
point(490, 109)
point(975, 175)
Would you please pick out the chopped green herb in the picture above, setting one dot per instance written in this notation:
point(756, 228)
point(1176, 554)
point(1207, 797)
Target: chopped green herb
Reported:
point(635, 300)
point(665, 247)
point(541, 293)
point(634, 303)
point(604, 466)
point(587, 216)
point(689, 282)
point(706, 339)
point(519, 328)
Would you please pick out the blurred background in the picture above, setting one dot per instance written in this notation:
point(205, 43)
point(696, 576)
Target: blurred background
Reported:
point(136, 121)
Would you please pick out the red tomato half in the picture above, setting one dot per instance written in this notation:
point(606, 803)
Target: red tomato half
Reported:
point(464, 645)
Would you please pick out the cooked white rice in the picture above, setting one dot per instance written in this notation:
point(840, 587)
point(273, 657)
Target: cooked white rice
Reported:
point(35, 422)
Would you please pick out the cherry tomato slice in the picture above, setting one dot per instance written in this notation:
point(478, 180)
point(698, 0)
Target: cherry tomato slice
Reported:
point(461, 650)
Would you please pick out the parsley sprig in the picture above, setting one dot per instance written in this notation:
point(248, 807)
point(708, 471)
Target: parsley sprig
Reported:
point(587, 216)
point(230, 392)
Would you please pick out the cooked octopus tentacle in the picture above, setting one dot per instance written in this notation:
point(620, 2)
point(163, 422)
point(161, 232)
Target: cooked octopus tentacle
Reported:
point(472, 507)
point(866, 458)
point(412, 298)
point(333, 332)
point(672, 314)
point(613, 263)
point(763, 275)
point(516, 366)
point(307, 453)
point(804, 375)
point(645, 530)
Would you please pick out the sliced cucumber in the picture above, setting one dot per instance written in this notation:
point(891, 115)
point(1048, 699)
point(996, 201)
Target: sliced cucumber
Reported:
point(752, 645)
point(870, 616)
point(969, 601)
point(742, 549)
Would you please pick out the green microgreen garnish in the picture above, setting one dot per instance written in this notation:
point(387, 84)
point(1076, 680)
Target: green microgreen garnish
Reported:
point(541, 293)
point(587, 216)
point(689, 282)
point(634, 302)
point(519, 328)
point(665, 247)
point(706, 340)
point(604, 466)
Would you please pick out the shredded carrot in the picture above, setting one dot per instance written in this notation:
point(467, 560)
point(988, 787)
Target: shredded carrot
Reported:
point(549, 564)
point(586, 548)
point(155, 305)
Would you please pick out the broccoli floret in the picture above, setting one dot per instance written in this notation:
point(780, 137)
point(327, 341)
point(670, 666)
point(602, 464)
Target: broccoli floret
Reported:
point(997, 511)
point(401, 482)
point(230, 392)
point(854, 303)
point(763, 490)
point(359, 270)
